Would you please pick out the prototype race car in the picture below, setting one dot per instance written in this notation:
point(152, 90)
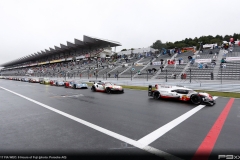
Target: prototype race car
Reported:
point(44, 80)
point(56, 83)
point(107, 87)
point(34, 80)
point(25, 80)
point(76, 84)
point(68, 84)
point(180, 93)
point(79, 84)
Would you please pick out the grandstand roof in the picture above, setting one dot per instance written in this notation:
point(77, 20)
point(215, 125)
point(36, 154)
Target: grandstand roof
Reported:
point(88, 42)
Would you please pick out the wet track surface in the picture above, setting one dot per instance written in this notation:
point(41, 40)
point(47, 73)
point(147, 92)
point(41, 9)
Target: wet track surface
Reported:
point(27, 127)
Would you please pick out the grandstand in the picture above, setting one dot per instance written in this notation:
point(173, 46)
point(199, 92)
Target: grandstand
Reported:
point(67, 59)
point(93, 57)
point(231, 70)
point(175, 69)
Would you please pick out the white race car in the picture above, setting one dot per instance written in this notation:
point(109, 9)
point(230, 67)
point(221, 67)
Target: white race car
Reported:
point(180, 93)
point(107, 87)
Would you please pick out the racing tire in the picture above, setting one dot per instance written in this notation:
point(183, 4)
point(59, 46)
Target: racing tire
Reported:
point(108, 90)
point(56, 84)
point(122, 91)
point(74, 86)
point(196, 99)
point(156, 95)
point(93, 89)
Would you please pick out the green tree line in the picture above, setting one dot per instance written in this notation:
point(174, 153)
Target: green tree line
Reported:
point(189, 42)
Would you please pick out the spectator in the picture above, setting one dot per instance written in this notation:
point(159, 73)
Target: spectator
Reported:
point(149, 70)
point(179, 60)
point(192, 61)
point(189, 58)
point(161, 61)
point(223, 60)
point(154, 70)
point(184, 76)
point(213, 64)
point(161, 67)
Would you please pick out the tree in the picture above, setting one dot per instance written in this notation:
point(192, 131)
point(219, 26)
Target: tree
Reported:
point(227, 38)
point(158, 45)
point(170, 45)
point(216, 40)
point(124, 50)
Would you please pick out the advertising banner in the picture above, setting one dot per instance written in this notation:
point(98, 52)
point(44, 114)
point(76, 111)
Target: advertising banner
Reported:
point(69, 59)
point(33, 64)
point(80, 57)
point(139, 64)
point(157, 63)
point(203, 60)
point(43, 63)
point(233, 59)
point(55, 61)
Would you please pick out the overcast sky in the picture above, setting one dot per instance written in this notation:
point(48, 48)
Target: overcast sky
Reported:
point(29, 26)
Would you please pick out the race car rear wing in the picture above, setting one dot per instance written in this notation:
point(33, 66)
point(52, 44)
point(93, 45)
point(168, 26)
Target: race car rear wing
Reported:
point(95, 81)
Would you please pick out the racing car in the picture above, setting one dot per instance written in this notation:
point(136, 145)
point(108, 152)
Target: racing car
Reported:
point(44, 80)
point(68, 84)
point(34, 80)
point(76, 84)
point(180, 93)
point(56, 83)
point(107, 87)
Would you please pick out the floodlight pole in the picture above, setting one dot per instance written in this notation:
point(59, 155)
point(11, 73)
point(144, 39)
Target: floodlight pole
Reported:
point(147, 75)
point(166, 75)
point(221, 74)
point(96, 74)
point(190, 75)
point(88, 73)
point(131, 75)
point(117, 75)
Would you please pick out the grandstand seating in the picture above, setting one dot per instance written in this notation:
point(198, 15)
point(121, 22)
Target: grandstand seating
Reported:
point(232, 69)
point(88, 68)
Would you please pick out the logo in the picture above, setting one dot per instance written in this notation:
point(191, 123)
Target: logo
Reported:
point(228, 156)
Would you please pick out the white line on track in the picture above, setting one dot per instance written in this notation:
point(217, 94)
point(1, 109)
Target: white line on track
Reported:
point(151, 137)
point(102, 130)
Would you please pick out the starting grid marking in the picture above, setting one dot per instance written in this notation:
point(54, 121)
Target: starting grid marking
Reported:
point(167, 127)
point(143, 143)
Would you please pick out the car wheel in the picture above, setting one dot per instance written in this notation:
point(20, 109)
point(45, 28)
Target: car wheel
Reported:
point(122, 91)
point(93, 89)
point(74, 86)
point(156, 95)
point(196, 99)
point(108, 90)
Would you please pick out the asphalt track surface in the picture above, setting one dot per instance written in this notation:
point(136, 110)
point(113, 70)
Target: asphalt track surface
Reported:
point(47, 120)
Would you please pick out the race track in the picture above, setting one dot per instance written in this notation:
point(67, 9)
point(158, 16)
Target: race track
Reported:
point(41, 119)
